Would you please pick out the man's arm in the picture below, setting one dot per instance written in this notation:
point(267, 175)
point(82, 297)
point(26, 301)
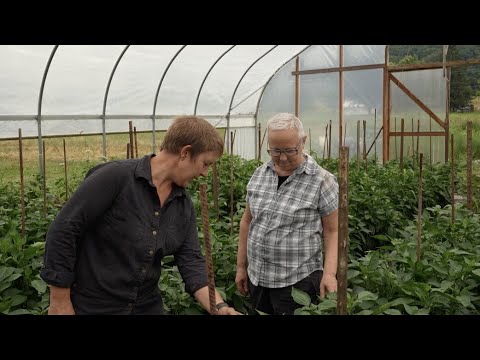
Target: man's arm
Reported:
point(241, 279)
point(330, 243)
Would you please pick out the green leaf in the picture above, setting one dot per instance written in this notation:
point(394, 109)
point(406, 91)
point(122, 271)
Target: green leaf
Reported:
point(39, 285)
point(301, 297)
point(476, 272)
point(464, 300)
point(411, 310)
point(423, 311)
point(18, 299)
point(392, 312)
point(366, 295)
point(20, 312)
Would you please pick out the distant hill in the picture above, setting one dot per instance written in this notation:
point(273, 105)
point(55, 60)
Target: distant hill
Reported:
point(465, 83)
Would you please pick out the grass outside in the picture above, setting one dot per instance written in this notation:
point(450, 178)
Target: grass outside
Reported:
point(81, 151)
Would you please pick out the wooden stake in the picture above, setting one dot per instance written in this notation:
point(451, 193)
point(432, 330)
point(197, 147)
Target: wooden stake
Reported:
point(469, 165)
point(22, 187)
point(208, 250)
point(342, 233)
point(419, 216)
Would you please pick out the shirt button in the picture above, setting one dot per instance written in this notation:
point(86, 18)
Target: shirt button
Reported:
point(157, 213)
point(151, 252)
point(144, 271)
point(154, 232)
point(130, 304)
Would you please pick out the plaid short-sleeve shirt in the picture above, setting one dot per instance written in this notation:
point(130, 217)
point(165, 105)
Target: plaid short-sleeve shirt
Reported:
point(284, 240)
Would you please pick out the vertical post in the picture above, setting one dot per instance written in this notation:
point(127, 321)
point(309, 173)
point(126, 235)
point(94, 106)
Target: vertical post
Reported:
point(65, 167)
point(259, 140)
point(419, 216)
point(297, 79)
point(447, 113)
point(386, 128)
point(130, 132)
point(402, 128)
point(418, 140)
point(208, 250)
point(44, 183)
point(452, 180)
point(22, 186)
point(135, 139)
point(375, 134)
point(431, 150)
point(232, 139)
point(365, 145)
point(128, 150)
point(469, 165)
point(330, 140)
point(342, 232)
point(340, 96)
point(358, 145)
point(396, 151)
point(215, 188)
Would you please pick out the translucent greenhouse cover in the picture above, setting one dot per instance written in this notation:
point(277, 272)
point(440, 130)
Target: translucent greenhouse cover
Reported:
point(233, 86)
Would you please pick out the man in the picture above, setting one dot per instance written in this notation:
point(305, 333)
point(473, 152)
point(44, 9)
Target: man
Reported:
point(104, 249)
point(291, 203)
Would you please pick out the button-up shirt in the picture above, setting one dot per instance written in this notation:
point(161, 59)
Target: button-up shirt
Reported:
point(108, 241)
point(284, 241)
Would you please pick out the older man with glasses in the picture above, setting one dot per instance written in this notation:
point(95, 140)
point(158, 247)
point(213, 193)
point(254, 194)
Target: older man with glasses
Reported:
point(292, 210)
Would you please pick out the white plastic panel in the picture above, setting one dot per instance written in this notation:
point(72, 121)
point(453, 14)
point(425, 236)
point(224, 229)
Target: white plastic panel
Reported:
point(320, 57)
point(136, 79)
point(21, 71)
point(77, 79)
point(362, 100)
point(354, 55)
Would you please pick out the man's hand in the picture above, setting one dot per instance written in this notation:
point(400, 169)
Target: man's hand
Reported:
point(241, 280)
point(61, 308)
point(60, 303)
point(227, 310)
point(328, 284)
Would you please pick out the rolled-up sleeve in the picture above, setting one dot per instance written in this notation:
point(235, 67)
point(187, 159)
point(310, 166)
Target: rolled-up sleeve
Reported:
point(189, 258)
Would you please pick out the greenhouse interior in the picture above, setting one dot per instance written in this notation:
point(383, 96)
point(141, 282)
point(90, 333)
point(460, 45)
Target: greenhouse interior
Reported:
point(65, 104)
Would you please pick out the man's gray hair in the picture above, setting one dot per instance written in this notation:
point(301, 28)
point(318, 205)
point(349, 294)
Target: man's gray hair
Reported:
point(284, 121)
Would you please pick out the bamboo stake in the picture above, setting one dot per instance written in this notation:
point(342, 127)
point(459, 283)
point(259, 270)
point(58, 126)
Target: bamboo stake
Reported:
point(330, 140)
point(365, 145)
point(419, 216)
point(413, 147)
point(44, 183)
point(358, 145)
point(418, 140)
point(325, 142)
point(402, 129)
point(259, 140)
point(342, 233)
point(215, 188)
point(65, 167)
point(375, 131)
point(469, 165)
point(22, 187)
point(431, 151)
point(130, 133)
point(135, 138)
point(396, 151)
point(452, 179)
point(208, 250)
point(232, 140)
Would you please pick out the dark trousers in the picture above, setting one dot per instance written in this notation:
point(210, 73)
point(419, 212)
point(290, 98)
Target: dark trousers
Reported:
point(279, 301)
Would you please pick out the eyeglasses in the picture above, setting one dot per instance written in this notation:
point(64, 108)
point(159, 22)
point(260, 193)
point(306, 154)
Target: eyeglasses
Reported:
point(287, 152)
